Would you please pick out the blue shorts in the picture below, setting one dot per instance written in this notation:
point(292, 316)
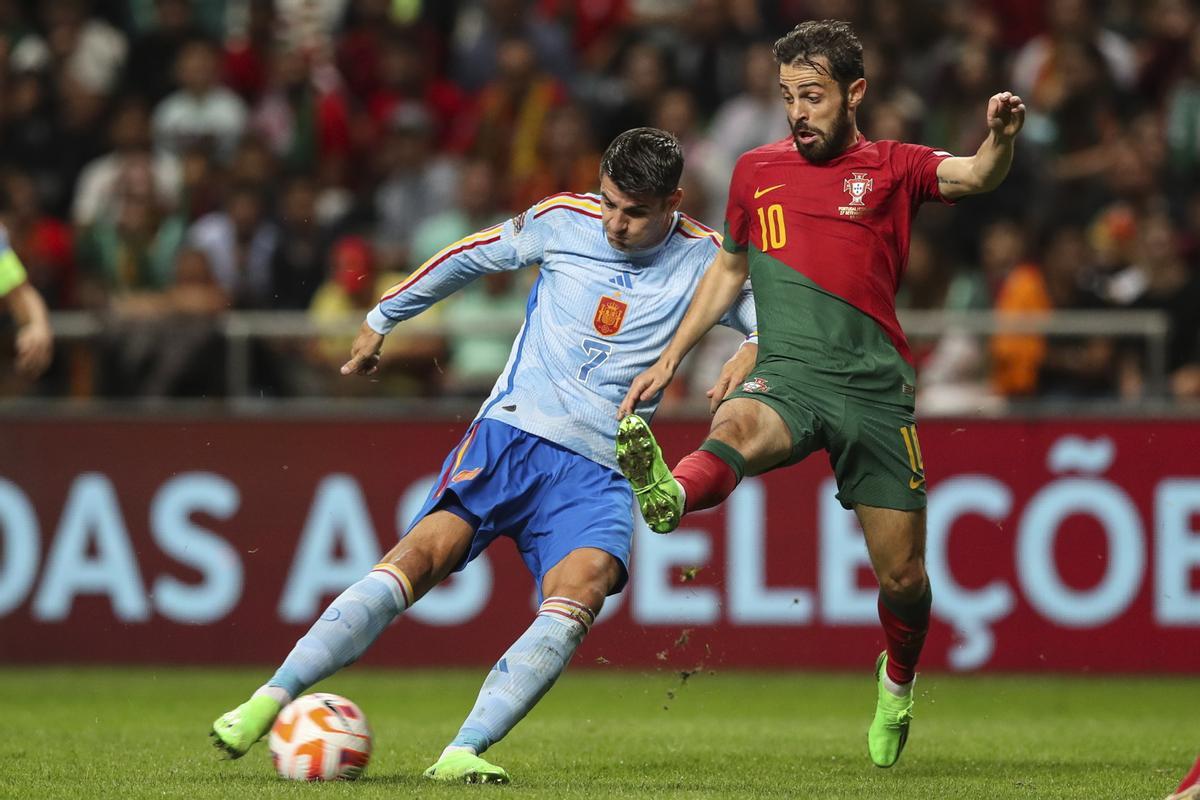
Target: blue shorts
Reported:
point(546, 498)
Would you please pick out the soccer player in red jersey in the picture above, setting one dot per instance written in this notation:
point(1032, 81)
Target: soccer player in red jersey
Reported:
point(820, 221)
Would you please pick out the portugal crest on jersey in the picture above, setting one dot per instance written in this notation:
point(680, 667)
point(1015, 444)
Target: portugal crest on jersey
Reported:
point(857, 186)
point(610, 313)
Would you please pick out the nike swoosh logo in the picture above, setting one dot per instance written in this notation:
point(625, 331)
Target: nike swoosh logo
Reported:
point(914, 483)
point(760, 192)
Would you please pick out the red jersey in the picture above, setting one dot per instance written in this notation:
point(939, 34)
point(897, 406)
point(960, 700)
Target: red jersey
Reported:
point(843, 224)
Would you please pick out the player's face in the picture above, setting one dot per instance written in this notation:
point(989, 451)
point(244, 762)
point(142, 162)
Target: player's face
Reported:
point(633, 222)
point(820, 114)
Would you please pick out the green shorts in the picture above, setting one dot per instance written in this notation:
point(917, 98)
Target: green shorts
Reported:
point(873, 447)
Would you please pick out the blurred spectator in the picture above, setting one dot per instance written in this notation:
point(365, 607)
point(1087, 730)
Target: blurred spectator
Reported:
point(417, 184)
point(1183, 119)
point(644, 76)
point(952, 367)
point(512, 111)
point(21, 48)
point(131, 245)
point(165, 342)
point(304, 114)
point(359, 48)
point(1161, 280)
point(954, 121)
point(484, 26)
point(596, 26)
point(750, 119)
point(1075, 367)
point(200, 183)
point(1081, 121)
point(253, 164)
point(480, 324)
point(43, 243)
point(477, 208)
point(1163, 46)
point(239, 242)
point(406, 74)
point(1020, 291)
point(30, 134)
point(153, 54)
point(201, 110)
point(708, 55)
point(91, 51)
point(298, 265)
point(568, 160)
point(1036, 66)
point(248, 40)
point(129, 140)
point(353, 288)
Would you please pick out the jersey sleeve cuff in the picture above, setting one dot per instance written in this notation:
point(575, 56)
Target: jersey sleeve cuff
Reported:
point(379, 322)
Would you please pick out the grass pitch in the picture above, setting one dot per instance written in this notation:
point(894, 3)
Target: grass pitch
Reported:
point(92, 733)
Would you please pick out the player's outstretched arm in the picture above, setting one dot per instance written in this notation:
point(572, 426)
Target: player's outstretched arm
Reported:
point(35, 339)
point(720, 286)
point(960, 176)
point(364, 353)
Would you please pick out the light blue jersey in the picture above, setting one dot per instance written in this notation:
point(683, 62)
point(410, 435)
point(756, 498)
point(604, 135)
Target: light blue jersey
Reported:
point(596, 317)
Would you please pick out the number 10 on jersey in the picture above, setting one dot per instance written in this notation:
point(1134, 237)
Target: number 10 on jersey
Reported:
point(774, 233)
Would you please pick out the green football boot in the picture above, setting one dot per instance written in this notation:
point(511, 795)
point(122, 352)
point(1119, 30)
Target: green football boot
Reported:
point(893, 715)
point(463, 766)
point(234, 732)
point(641, 461)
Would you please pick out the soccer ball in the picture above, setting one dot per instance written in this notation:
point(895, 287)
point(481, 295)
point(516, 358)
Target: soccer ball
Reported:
point(320, 737)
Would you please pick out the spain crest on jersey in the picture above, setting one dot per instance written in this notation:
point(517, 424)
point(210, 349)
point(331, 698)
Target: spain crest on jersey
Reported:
point(610, 313)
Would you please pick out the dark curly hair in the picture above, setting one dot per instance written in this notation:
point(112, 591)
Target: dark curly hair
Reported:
point(831, 38)
point(644, 162)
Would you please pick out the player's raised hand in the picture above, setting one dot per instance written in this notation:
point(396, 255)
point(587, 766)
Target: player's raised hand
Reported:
point(1005, 114)
point(364, 353)
point(732, 374)
point(645, 386)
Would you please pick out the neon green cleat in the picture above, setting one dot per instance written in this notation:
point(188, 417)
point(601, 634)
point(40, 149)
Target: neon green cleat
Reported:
point(463, 766)
point(641, 461)
point(893, 715)
point(234, 732)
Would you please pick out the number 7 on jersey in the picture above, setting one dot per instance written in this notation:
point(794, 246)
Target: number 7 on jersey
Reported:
point(598, 353)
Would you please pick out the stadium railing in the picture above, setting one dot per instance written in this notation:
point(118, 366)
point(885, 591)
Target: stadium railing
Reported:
point(1144, 331)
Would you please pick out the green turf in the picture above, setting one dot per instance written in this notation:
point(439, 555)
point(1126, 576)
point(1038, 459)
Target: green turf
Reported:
point(85, 733)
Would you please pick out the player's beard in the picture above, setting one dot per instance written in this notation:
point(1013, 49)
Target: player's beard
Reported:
point(829, 144)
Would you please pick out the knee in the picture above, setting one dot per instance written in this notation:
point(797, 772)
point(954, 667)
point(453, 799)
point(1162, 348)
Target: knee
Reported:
point(904, 581)
point(586, 579)
point(733, 429)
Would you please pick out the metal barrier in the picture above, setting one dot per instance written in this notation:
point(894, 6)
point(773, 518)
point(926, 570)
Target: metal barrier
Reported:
point(242, 328)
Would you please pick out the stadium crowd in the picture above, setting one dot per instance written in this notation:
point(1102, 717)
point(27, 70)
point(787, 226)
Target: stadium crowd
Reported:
point(164, 161)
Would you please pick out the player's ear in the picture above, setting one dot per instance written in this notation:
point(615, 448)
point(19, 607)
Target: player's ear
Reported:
point(674, 199)
point(855, 92)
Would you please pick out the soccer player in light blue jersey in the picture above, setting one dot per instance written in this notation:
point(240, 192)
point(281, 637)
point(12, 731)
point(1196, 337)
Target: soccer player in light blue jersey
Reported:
point(616, 273)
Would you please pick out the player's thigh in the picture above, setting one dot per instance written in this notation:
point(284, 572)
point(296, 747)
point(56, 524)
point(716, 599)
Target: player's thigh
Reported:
point(435, 545)
point(876, 456)
point(586, 575)
point(755, 429)
point(584, 512)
